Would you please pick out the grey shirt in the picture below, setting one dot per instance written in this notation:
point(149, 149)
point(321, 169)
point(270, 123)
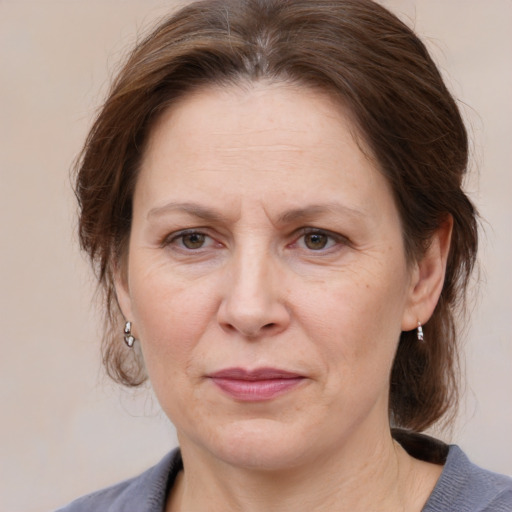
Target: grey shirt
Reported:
point(462, 487)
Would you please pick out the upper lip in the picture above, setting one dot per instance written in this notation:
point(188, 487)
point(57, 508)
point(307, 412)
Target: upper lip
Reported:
point(256, 374)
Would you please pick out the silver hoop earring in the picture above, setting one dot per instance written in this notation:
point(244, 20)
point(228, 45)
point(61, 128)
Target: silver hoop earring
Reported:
point(420, 332)
point(129, 339)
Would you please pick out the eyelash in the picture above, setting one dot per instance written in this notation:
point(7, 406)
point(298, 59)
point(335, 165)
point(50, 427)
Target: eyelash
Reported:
point(177, 239)
point(332, 240)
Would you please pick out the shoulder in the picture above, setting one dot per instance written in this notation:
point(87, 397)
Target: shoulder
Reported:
point(465, 487)
point(144, 493)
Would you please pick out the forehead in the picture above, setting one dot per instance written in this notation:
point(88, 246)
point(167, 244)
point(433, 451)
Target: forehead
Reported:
point(269, 103)
point(252, 138)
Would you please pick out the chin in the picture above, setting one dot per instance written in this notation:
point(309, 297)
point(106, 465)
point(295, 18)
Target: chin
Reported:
point(259, 444)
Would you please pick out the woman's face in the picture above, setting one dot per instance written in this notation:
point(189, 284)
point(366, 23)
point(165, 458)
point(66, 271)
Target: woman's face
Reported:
point(267, 280)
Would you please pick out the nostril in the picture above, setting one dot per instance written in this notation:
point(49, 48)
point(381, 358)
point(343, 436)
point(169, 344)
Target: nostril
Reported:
point(252, 333)
point(252, 319)
point(229, 327)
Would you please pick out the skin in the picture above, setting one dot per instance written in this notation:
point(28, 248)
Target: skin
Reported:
point(250, 171)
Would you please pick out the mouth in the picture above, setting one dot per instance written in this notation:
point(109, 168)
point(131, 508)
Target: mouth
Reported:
point(255, 385)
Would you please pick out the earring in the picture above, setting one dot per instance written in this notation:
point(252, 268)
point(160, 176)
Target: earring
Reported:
point(420, 332)
point(129, 339)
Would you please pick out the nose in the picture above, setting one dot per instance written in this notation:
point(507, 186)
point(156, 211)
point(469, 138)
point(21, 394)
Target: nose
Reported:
point(253, 302)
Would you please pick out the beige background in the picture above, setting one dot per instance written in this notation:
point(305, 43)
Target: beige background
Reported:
point(64, 429)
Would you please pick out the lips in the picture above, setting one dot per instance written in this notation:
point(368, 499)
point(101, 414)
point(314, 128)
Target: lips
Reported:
point(255, 385)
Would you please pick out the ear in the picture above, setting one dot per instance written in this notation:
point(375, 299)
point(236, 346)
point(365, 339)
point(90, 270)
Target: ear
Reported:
point(122, 290)
point(427, 278)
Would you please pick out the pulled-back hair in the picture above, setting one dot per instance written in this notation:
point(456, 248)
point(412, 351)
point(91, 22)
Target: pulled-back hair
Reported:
point(361, 55)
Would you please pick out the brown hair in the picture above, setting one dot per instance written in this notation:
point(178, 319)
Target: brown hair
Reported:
point(375, 65)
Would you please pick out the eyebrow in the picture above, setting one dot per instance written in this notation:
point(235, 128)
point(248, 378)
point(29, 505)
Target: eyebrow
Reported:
point(301, 214)
point(314, 211)
point(193, 209)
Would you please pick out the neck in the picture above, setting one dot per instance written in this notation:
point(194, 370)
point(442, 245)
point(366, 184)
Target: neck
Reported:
point(377, 476)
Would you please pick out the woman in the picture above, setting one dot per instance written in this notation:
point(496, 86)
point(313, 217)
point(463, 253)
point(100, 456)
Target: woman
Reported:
point(271, 196)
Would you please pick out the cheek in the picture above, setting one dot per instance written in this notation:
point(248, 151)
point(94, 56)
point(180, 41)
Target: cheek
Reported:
point(170, 317)
point(356, 323)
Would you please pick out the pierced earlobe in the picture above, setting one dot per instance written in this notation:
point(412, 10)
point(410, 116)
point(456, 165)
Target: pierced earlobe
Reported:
point(129, 339)
point(419, 332)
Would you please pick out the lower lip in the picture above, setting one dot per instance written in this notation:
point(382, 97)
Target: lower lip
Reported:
point(256, 390)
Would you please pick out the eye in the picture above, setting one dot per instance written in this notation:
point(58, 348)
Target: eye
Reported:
point(318, 240)
point(193, 240)
point(189, 240)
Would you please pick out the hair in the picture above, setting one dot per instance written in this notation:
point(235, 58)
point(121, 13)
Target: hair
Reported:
point(368, 60)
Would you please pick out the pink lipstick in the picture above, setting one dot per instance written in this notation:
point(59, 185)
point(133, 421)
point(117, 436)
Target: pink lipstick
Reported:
point(255, 385)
